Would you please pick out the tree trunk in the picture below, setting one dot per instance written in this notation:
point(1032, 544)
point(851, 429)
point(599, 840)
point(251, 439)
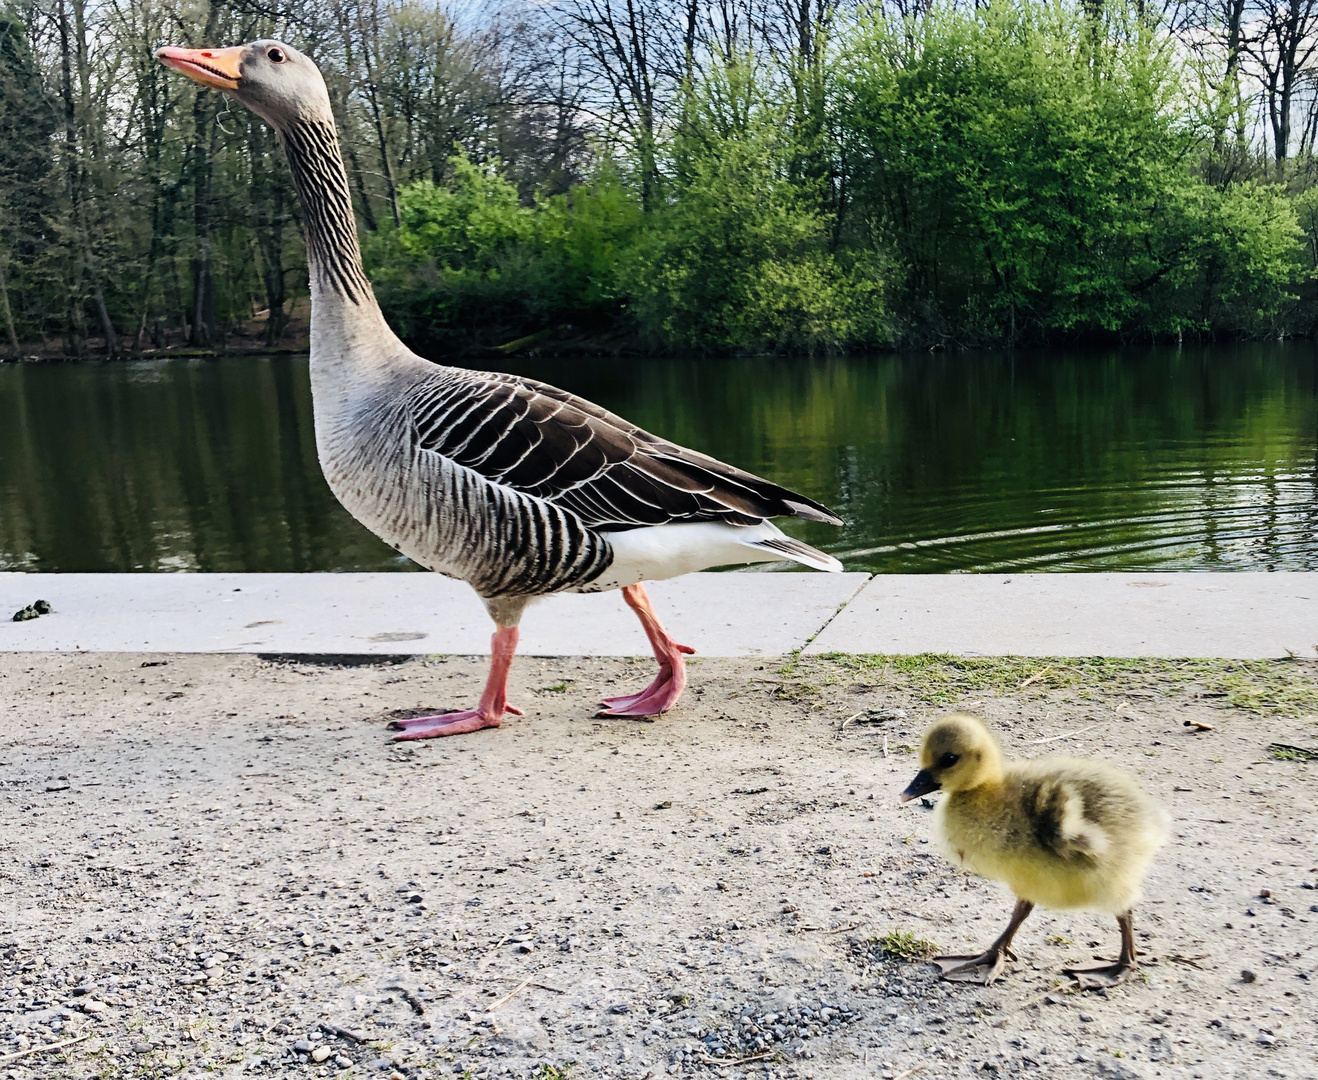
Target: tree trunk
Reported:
point(368, 215)
point(203, 127)
point(103, 315)
point(203, 296)
point(6, 311)
point(73, 178)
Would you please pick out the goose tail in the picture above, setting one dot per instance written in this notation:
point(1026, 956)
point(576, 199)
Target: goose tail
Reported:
point(784, 547)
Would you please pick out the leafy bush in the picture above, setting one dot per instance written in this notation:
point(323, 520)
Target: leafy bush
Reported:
point(469, 264)
point(1032, 170)
point(1019, 172)
point(739, 259)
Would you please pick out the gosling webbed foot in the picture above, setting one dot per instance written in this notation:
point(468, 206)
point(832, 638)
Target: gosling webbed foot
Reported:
point(1102, 976)
point(985, 968)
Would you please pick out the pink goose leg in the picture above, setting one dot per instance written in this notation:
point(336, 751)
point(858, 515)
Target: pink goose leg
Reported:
point(493, 703)
point(662, 694)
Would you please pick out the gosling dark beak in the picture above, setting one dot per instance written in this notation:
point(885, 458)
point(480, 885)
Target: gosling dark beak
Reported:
point(218, 68)
point(923, 783)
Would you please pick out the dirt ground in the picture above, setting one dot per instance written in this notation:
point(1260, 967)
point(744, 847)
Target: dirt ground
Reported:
point(220, 864)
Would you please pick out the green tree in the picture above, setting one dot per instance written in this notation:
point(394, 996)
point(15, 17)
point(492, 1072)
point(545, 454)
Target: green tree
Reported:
point(1035, 175)
point(27, 121)
point(739, 257)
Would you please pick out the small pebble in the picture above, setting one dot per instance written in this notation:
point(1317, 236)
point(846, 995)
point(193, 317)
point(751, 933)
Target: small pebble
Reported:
point(91, 1005)
point(321, 1053)
point(1247, 976)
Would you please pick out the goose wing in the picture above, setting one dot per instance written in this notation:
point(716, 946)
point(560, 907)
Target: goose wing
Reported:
point(546, 442)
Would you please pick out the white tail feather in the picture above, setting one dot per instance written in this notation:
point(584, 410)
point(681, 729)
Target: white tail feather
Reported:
point(795, 551)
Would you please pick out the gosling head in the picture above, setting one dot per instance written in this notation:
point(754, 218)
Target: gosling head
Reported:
point(957, 754)
point(272, 79)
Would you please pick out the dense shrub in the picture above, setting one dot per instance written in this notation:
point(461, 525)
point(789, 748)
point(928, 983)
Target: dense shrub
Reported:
point(740, 254)
point(1034, 174)
point(468, 264)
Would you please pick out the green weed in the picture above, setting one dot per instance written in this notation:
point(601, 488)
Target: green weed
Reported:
point(903, 945)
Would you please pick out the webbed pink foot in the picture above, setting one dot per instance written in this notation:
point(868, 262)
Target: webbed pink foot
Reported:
point(662, 694)
point(493, 703)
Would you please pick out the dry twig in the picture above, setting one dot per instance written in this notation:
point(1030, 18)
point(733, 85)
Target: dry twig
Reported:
point(510, 995)
point(1068, 734)
point(417, 1005)
point(1029, 682)
point(344, 1033)
point(43, 1049)
point(489, 955)
point(736, 1061)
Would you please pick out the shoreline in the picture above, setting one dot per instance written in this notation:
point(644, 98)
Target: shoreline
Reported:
point(1240, 615)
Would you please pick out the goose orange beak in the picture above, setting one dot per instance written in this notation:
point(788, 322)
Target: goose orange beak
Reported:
point(218, 68)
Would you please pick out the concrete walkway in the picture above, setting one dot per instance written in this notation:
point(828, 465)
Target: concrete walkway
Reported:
point(1241, 616)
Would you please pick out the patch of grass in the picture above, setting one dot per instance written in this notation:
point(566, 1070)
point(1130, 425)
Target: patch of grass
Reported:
point(903, 945)
point(556, 688)
point(797, 691)
point(545, 1071)
point(1285, 687)
point(1286, 752)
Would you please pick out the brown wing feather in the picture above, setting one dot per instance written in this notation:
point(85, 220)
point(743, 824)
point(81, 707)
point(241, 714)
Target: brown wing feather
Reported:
point(546, 442)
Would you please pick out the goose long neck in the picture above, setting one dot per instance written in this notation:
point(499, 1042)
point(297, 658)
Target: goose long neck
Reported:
point(337, 277)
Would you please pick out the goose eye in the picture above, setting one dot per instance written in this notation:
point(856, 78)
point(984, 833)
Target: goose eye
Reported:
point(276, 56)
point(948, 760)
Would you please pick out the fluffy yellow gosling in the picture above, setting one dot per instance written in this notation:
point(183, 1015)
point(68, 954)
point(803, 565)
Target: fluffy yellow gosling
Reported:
point(1061, 832)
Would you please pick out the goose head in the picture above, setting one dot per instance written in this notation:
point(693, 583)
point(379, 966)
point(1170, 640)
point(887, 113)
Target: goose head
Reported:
point(958, 753)
point(272, 79)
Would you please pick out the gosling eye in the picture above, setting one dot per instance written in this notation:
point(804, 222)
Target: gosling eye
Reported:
point(276, 56)
point(948, 760)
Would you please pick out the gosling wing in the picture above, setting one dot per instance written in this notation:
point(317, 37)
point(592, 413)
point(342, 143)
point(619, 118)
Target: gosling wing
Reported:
point(1062, 811)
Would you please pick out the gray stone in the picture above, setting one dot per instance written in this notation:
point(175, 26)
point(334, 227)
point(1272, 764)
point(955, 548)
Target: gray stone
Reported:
point(1115, 1069)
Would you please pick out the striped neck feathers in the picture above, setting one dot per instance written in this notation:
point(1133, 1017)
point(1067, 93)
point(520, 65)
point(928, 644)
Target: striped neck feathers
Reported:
point(312, 148)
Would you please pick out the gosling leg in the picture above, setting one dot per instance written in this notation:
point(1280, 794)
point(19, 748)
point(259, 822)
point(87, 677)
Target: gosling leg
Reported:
point(1093, 978)
point(988, 965)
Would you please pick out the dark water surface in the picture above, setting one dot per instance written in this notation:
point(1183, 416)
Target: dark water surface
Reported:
point(1138, 459)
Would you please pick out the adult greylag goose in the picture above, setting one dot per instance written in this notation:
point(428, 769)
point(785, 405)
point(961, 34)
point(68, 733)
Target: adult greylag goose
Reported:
point(515, 487)
point(1060, 832)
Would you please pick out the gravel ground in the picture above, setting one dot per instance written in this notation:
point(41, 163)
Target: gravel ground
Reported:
point(220, 864)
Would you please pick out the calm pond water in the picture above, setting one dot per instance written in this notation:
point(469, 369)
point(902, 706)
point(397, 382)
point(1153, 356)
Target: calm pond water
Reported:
point(1138, 459)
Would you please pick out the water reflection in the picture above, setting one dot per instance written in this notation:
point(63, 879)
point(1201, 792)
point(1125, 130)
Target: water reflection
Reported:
point(1143, 459)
